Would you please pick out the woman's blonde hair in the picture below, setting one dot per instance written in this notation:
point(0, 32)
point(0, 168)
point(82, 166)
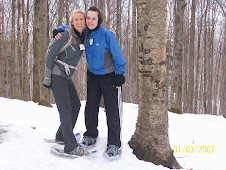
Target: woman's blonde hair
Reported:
point(75, 12)
point(71, 19)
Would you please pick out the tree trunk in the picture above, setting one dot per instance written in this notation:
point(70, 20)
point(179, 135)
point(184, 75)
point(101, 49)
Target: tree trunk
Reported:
point(12, 54)
point(222, 88)
point(25, 78)
point(205, 76)
point(2, 58)
point(118, 25)
point(107, 25)
point(36, 52)
point(127, 53)
point(211, 59)
point(67, 12)
point(150, 141)
point(178, 57)
point(95, 2)
point(43, 39)
point(60, 12)
point(198, 68)
point(189, 108)
point(133, 76)
point(101, 6)
point(185, 61)
point(19, 54)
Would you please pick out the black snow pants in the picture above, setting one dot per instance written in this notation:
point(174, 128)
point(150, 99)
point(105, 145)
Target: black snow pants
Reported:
point(68, 105)
point(98, 85)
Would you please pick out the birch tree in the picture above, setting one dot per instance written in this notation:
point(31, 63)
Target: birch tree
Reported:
point(150, 141)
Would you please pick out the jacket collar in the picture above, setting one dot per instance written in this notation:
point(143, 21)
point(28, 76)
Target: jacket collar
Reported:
point(95, 30)
point(82, 36)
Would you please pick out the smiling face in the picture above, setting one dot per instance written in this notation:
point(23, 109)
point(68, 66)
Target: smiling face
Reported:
point(78, 21)
point(92, 19)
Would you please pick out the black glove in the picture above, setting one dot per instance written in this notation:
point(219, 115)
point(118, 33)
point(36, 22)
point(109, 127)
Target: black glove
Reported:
point(47, 80)
point(119, 80)
point(46, 86)
point(56, 31)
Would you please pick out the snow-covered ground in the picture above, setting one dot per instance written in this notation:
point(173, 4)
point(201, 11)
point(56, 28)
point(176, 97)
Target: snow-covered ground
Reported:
point(26, 125)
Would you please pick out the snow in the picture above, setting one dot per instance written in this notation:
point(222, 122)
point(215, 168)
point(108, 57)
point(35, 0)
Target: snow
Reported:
point(26, 124)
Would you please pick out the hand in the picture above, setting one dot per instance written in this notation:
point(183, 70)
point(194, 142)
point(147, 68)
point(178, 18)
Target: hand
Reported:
point(48, 87)
point(58, 36)
point(57, 33)
point(47, 80)
point(119, 80)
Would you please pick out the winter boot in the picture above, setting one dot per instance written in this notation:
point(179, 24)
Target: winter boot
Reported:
point(79, 150)
point(88, 141)
point(113, 152)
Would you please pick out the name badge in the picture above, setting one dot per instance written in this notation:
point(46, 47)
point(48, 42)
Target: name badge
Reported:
point(91, 41)
point(82, 47)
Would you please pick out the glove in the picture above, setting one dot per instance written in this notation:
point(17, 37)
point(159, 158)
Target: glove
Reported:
point(119, 80)
point(48, 87)
point(47, 79)
point(56, 31)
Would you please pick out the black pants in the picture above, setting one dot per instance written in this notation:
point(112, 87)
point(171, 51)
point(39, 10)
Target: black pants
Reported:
point(98, 85)
point(68, 105)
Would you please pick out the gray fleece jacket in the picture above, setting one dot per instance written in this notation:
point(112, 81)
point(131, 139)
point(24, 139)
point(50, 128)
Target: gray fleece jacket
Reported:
point(70, 56)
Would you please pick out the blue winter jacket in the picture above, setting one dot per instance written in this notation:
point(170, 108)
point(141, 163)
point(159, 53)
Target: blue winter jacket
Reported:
point(103, 52)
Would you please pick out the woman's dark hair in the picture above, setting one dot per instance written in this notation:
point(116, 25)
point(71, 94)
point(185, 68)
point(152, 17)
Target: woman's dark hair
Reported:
point(100, 16)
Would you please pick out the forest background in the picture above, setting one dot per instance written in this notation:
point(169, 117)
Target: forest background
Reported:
point(195, 50)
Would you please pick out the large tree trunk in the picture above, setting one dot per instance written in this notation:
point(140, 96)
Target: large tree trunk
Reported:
point(150, 141)
point(176, 95)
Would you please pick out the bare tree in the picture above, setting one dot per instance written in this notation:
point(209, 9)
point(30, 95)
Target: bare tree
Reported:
point(190, 94)
point(44, 37)
point(134, 56)
point(36, 52)
point(198, 61)
point(176, 105)
point(108, 9)
point(67, 12)
point(2, 59)
point(150, 141)
point(118, 25)
point(12, 54)
point(19, 54)
point(61, 5)
point(40, 39)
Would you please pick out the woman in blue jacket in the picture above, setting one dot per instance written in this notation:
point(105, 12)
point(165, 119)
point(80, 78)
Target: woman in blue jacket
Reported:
point(106, 67)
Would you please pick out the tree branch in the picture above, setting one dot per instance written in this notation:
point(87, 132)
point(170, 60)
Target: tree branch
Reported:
point(222, 6)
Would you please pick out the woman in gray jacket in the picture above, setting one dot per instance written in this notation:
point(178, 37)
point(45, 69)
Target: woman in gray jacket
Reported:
point(59, 69)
